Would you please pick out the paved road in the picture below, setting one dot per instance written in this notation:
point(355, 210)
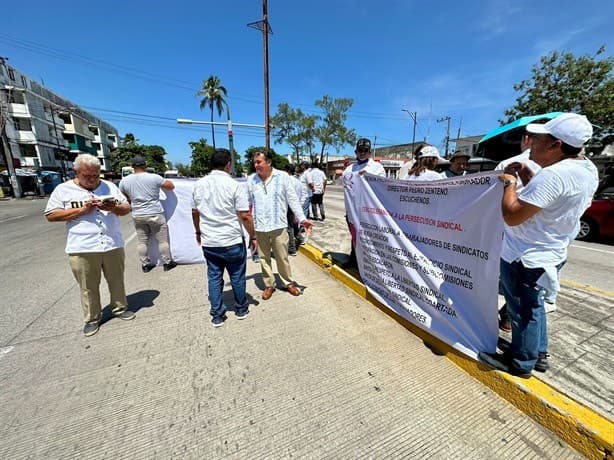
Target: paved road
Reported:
point(324, 375)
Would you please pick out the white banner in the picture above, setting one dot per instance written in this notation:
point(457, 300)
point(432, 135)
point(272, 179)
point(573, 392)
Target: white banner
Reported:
point(430, 252)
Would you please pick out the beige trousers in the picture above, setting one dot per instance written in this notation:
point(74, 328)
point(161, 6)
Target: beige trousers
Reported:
point(87, 267)
point(277, 241)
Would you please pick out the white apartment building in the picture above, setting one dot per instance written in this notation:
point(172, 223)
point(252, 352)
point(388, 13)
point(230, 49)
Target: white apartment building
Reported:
point(43, 130)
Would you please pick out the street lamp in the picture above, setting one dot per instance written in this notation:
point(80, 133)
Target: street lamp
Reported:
point(414, 117)
point(228, 124)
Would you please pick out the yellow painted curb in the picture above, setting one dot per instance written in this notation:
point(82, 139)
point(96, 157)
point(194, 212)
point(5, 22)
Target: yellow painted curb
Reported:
point(582, 428)
point(586, 287)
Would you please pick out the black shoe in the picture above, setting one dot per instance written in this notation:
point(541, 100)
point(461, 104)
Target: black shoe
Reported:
point(218, 321)
point(542, 362)
point(90, 328)
point(502, 363)
point(126, 315)
point(169, 266)
point(242, 314)
point(147, 268)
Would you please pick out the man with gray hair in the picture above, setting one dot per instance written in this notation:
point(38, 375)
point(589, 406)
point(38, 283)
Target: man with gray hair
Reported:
point(91, 208)
point(143, 191)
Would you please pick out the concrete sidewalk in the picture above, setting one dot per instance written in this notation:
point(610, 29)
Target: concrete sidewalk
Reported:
point(579, 383)
point(323, 375)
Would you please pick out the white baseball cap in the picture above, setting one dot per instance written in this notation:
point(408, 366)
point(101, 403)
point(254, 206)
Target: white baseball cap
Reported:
point(429, 151)
point(571, 128)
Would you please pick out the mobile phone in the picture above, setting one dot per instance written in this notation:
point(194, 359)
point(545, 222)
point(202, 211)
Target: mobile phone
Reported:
point(109, 200)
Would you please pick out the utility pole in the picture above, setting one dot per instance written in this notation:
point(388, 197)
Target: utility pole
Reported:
point(414, 117)
point(266, 30)
point(230, 143)
point(4, 144)
point(60, 151)
point(439, 120)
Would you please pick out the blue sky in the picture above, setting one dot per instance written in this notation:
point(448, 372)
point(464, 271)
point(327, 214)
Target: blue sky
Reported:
point(138, 66)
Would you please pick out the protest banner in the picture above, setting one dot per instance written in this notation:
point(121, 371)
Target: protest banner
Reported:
point(430, 252)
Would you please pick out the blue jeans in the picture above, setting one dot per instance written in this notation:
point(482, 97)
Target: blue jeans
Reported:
point(525, 305)
point(306, 206)
point(233, 259)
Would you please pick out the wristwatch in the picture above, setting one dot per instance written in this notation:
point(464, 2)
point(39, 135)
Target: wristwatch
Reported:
point(507, 182)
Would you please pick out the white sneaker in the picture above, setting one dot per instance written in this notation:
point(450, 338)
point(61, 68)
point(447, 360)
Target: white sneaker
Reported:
point(550, 307)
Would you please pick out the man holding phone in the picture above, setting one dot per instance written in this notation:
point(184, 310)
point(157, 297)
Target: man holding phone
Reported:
point(94, 243)
point(220, 211)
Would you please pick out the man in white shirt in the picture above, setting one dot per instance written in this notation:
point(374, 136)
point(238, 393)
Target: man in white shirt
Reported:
point(318, 187)
point(91, 208)
point(271, 193)
point(143, 192)
point(544, 216)
point(220, 211)
point(294, 232)
point(364, 163)
point(304, 177)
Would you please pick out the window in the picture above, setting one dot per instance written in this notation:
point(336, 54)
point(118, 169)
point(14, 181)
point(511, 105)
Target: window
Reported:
point(94, 130)
point(65, 118)
point(11, 74)
point(24, 81)
point(28, 150)
point(22, 124)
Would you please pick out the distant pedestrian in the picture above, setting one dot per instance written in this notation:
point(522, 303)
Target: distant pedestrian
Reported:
point(424, 168)
point(91, 208)
point(271, 193)
point(363, 164)
point(318, 187)
point(544, 216)
point(405, 167)
point(143, 191)
point(294, 232)
point(459, 161)
point(305, 178)
point(220, 211)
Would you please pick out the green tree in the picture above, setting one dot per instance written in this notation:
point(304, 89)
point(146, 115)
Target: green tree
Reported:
point(201, 157)
point(566, 83)
point(278, 161)
point(332, 131)
point(295, 128)
point(213, 95)
point(184, 170)
point(129, 148)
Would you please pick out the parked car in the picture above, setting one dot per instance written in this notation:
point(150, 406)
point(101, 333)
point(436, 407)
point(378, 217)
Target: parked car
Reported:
point(598, 219)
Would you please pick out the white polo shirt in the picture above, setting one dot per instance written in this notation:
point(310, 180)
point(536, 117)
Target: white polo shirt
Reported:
point(97, 231)
point(563, 191)
point(218, 198)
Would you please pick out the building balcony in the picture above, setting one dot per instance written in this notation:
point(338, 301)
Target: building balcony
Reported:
point(26, 137)
point(19, 110)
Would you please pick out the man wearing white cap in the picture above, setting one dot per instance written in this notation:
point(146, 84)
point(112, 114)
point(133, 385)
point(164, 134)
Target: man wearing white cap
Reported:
point(544, 217)
point(424, 168)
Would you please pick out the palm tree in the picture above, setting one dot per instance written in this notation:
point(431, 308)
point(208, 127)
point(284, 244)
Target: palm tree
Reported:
point(213, 94)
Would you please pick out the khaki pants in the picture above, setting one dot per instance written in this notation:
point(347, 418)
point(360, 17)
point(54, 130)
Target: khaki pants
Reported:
point(276, 240)
point(148, 227)
point(86, 268)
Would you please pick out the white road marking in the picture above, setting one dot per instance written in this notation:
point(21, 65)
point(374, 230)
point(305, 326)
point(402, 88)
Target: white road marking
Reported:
point(5, 350)
point(591, 249)
point(12, 218)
